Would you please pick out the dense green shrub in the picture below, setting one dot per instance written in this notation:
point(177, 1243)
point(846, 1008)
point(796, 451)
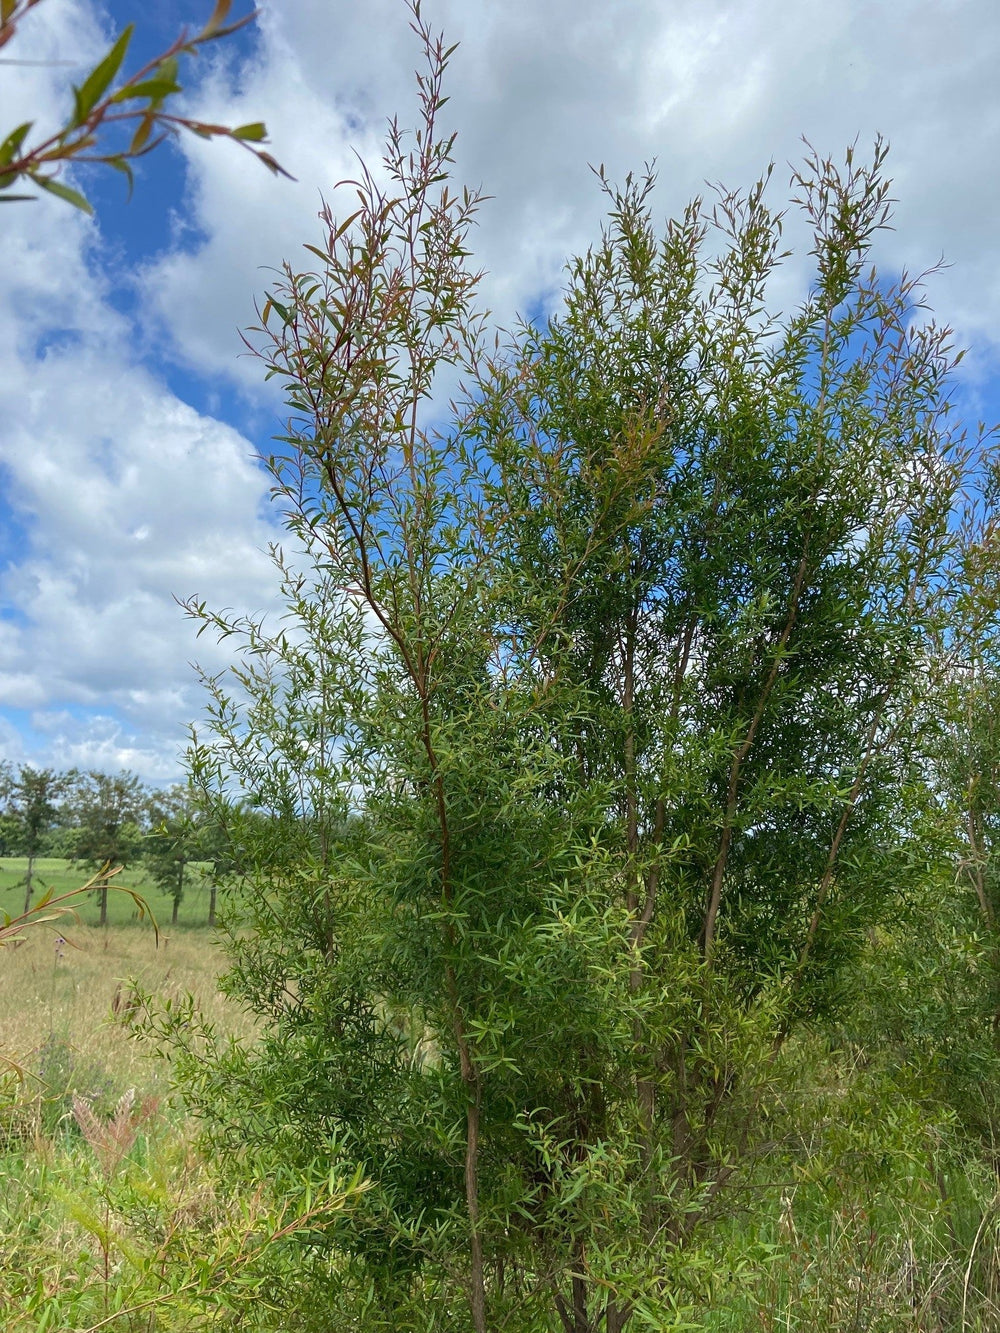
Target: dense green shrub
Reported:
point(589, 786)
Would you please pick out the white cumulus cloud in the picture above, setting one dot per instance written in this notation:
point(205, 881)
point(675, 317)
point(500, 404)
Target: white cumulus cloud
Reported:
point(116, 495)
point(710, 89)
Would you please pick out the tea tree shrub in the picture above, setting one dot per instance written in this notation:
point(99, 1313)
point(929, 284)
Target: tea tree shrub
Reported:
point(591, 755)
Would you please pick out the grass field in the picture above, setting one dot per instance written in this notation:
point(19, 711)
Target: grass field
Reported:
point(58, 989)
point(110, 1219)
point(62, 876)
point(58, 983)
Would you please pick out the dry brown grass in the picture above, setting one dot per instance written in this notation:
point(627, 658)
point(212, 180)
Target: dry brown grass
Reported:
point(64, 991)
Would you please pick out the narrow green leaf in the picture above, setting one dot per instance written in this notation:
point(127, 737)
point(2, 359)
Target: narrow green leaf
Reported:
point(119, 163)
point(155, 89)
point(13, 142)
point(97, 82)
point(167, 70)
point(347, 222)
point(217, 19)
point(142, 133)
point(257, 132)
point(66, 192)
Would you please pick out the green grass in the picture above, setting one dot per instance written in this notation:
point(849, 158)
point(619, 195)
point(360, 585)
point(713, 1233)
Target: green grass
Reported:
point(59, 981)
point(62, 877)
point(150, 1242)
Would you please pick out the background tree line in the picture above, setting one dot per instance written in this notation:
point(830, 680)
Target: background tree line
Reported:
point(98, 819)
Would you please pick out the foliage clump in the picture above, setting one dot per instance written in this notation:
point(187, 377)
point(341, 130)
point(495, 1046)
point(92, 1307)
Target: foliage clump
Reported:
point(594, 761)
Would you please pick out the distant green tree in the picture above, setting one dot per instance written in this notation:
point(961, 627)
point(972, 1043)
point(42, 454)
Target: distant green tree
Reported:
point(110, 814)
point(174, 841)
point(229, 841)
point(62, 838)
point(116, 120)
point(223, 858)
point(8, 834)
point(31, 804)
point(8, 825)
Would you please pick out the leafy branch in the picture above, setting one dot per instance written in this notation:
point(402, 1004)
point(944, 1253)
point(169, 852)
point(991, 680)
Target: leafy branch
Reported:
point(103, 103)
point(50, 907)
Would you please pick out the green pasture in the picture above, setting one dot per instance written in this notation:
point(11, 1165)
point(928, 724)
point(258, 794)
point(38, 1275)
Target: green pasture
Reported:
point(63, 876)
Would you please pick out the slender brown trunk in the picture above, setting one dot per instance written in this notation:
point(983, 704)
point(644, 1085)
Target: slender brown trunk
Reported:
point(645, 1086)
point(740, 756)
point(580, 1321)
point(640, 917)
point(178, 893)
point(477, 1273)
point(477, 1295)
point(976, 863)
point(719, 869)
point(615, 1319)
point(102, 896)
point(470, 1075)
point(28, 886)
point(680, 1130)
point(829, 870)
point(211, 903)
point(575, 1320)
point(631, 795)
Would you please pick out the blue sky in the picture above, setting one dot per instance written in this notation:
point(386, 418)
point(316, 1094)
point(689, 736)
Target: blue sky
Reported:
point(128, 417)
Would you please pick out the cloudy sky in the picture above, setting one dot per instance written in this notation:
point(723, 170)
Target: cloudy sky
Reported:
point(128, 418)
